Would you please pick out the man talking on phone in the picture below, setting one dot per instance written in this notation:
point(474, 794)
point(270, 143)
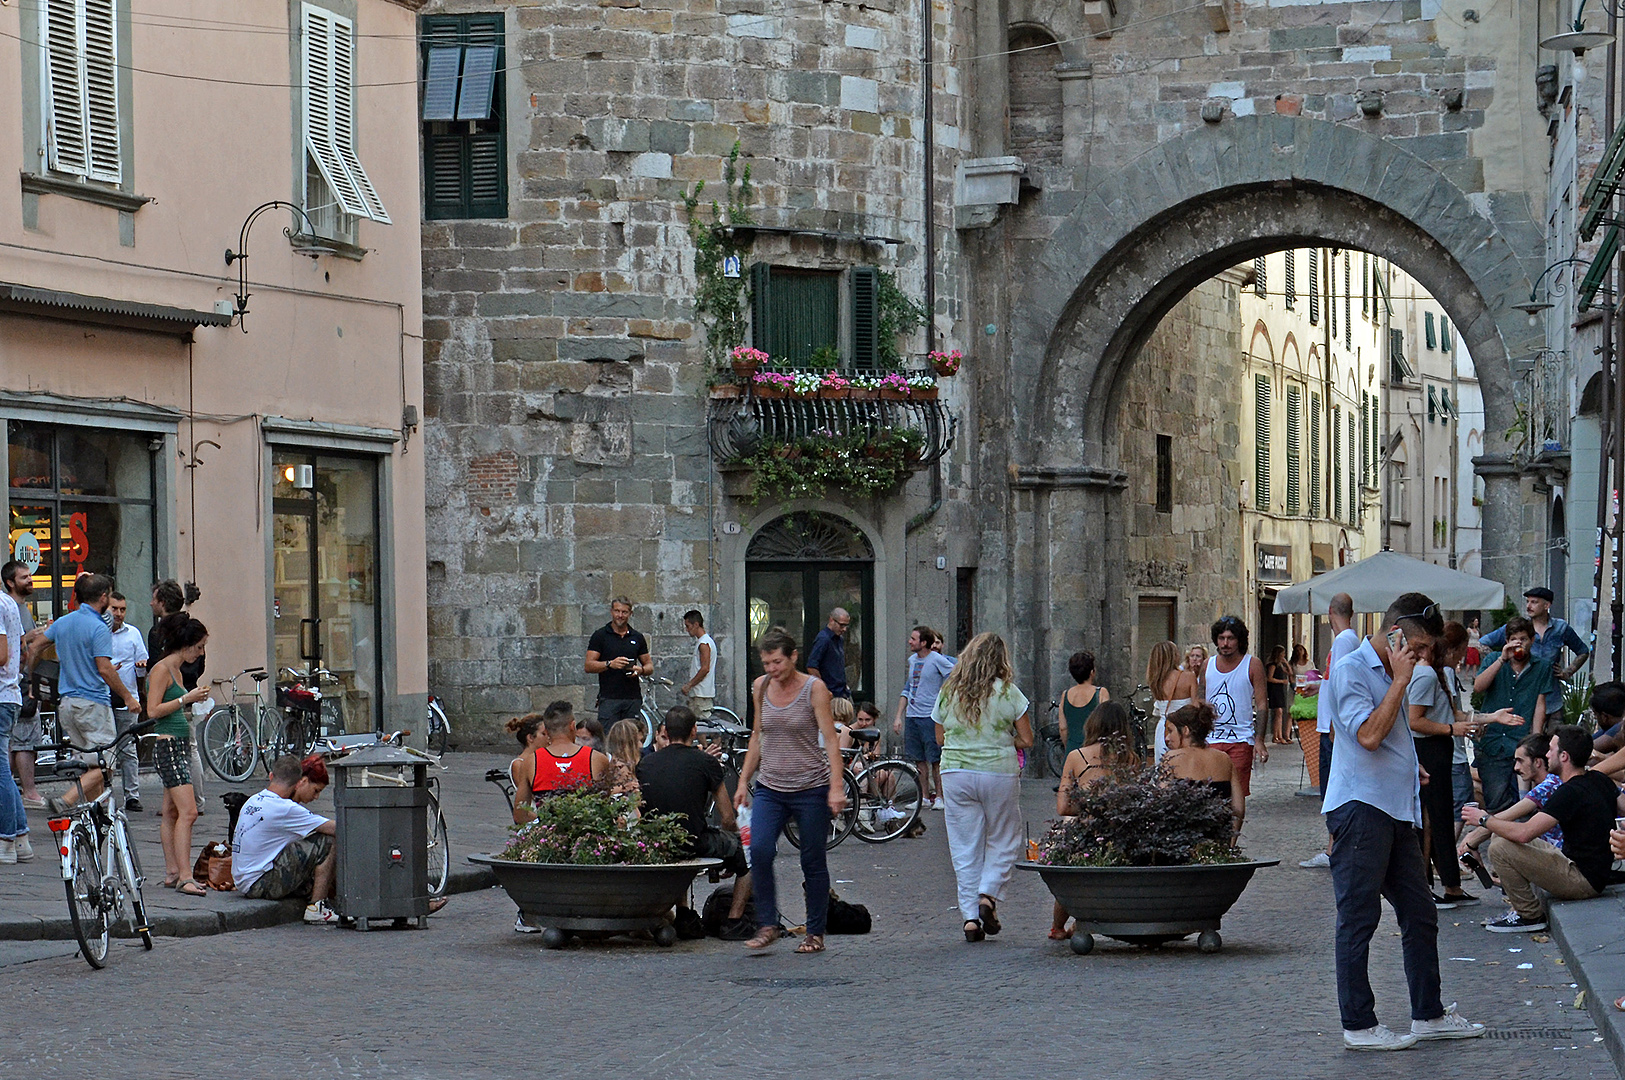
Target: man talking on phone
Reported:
point(1373, 809)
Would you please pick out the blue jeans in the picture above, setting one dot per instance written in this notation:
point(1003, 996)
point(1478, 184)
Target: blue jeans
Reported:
point(1461, 787)
point(13, 817)
point(1500, 782)
point(1376, 857)
point(769, 811)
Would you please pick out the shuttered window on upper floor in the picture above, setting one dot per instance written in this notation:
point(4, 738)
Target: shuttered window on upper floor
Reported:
point(1260, 284)
point(1294, 449)
point(1261, 442)
point(337, 188)
point(796, 314)
point(1427, 330)
point(465, 143)
point(1314, 286)
point(1291, 278)
point(1336, 478)
point(1314, 455)
point(82, 88)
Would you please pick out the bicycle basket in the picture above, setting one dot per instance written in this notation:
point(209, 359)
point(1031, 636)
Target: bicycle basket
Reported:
point(295, 696)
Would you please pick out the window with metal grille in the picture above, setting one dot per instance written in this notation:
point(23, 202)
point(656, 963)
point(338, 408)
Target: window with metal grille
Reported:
point(1348, 293)
point(82, 88)
point(337, 190)
point(1314, 455)
point(1314, 286)
point(1165, 473)
point(1336, 478)
point(796, 313)
point(1261, 436)
point(465, 142)
point(1291, 276)
point(1294, 449)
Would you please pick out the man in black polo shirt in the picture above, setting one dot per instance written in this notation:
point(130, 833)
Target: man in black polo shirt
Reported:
point(618, 655)
point(1584, 805)
point(681, 779)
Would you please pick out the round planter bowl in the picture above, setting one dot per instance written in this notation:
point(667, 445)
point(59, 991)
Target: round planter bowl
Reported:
point(1147, 904)
point(614, 898)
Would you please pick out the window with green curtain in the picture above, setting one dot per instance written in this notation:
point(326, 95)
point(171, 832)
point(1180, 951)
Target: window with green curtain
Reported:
point(795, 312)
point(465, 145)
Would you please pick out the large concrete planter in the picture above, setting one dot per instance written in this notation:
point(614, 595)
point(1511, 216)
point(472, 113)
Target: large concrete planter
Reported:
point(563, 897)
point(1147, 905)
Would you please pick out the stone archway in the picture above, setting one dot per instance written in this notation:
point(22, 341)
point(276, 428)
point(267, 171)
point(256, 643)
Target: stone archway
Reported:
point(1133, 246)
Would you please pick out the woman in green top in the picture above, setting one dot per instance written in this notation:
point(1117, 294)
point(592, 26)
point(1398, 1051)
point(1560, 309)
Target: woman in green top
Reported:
point(1080, 700)
point(981, 722)
point(167, 702)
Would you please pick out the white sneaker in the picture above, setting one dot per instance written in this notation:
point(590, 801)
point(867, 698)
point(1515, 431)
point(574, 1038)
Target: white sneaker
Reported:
point(1448, 1026)
point(1322, 861)
point(319, 914)
point(937, 803)
point(25, 850)
point(8, 852)
point(1377, 1038)
point(520, 926)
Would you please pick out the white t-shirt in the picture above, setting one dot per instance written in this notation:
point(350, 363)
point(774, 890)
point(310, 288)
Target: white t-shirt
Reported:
point(706, 687)
point(129, 649)
point(11, 625)
point(1345, 643)
point(267, 824)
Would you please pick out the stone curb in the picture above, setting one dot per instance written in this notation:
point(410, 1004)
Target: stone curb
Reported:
point(1591, 934)
point(241, 914)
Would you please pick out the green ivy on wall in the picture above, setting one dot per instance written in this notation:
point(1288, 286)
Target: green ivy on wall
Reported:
point(720, 302)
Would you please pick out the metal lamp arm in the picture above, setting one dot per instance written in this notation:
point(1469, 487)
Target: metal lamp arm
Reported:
point(240, 256)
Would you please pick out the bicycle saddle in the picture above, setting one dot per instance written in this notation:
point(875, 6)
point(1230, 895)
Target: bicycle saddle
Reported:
point(73, 770)
point(864, 734)
point(259, 676)
point(495, 775)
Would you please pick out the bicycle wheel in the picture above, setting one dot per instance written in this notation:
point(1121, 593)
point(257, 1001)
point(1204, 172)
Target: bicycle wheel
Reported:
point(439, 730)
point(1054, 750)
point(229, 745)
point(722, 713)
point(840, 826)
point(439, 849)
point(889, 801)
point(85, 901)
point(131, 870)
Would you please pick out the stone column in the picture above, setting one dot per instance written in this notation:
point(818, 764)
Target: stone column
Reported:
point(1503, 520)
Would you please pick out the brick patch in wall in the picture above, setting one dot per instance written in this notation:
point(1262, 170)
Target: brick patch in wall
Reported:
point(494, 478)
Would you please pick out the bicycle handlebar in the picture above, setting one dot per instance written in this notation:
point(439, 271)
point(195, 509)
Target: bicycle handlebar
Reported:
point(133, 731)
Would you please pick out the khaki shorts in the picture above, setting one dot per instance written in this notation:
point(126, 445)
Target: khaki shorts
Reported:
point(701, 707)
point(86, 723)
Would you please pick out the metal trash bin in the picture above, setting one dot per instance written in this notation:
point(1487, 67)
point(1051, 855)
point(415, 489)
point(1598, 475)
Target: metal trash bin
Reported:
point(381, 828)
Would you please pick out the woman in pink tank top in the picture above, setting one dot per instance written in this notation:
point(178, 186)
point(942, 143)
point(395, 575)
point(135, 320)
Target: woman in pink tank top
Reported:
point(794, 777)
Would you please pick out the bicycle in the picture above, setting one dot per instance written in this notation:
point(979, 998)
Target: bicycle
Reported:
point(438, 731)
point(1051, 745)
point(101, 871)
point(439, 844)
point(234, 733)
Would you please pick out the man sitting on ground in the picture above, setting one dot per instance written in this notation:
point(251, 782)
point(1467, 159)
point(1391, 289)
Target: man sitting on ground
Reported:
point(1608, 708)
point(1584, 805)
point(281, 848)
point(681, 779)
point(1529, 762)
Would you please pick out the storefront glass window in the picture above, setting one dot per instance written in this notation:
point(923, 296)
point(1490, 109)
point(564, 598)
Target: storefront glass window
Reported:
point(81, 500)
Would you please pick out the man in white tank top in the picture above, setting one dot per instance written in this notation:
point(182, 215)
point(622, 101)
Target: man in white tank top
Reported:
point(1235, 688)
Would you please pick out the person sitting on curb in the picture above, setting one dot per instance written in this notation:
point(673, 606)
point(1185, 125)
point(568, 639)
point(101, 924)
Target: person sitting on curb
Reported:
point(1529, 762)
point(281, 848)
point(1584, 805)
point(682, 779)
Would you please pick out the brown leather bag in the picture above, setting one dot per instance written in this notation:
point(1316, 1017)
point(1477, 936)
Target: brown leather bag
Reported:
point(213, 867)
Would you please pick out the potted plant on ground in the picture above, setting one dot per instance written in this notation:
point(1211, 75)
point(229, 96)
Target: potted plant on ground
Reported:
point(1148, 859)
point(590, 863)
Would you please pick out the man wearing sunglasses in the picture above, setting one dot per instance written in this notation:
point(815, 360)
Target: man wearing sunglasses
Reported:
point(1373, 808)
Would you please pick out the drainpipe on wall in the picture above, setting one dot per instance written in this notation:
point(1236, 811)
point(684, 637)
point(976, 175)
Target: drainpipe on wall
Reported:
point(1609, 377)
point(927, 75)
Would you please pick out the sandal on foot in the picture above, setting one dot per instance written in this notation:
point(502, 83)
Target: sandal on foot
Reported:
point(1058, 935)
point(170, 883)
point(988, 908)
point(191, 888)
point(811, 943)
point(765, 936)
point(974, 931)
point(436, 903)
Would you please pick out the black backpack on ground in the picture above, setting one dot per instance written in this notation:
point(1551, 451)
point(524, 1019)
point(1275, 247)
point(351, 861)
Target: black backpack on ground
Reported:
point(714, 913)
point(845, 918)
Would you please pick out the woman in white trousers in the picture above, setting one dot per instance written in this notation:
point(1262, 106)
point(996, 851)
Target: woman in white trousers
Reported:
point(981, 722)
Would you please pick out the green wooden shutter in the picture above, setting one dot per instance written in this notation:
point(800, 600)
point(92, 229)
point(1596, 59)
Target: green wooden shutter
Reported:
point(805, 314)
point(465, 161)
point(1444, 333)
point(1427, 330)
point(1294, 450)
point(761, 297)
point(865, 316)
point(1261, 442)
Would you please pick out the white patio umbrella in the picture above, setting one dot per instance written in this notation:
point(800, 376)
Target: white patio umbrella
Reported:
point(1378, 580)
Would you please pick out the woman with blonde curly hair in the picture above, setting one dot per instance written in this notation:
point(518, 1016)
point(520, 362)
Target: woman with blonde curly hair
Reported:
point(981, 721)
point(1172, 688)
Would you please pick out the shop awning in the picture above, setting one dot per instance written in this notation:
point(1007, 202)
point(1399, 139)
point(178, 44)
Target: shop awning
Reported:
point(105, 311)
point(1605, 183)
point(1378, 580)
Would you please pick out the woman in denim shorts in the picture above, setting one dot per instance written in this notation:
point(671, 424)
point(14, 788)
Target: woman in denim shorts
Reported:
point(167, 702)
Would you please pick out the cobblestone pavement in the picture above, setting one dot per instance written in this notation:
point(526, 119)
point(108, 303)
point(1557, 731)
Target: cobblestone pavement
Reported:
point(910, 1000)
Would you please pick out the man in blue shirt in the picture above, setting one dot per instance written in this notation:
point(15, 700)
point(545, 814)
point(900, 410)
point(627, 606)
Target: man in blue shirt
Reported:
point(87, 681)
point(927, 668)
point(1552, 634)
point(1373, 807)
point(826, 659)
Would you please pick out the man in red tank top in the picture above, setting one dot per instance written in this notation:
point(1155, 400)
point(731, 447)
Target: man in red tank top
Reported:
point(557, 765)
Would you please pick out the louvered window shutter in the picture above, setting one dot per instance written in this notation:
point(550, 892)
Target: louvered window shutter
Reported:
point(1314, 455)
point(1261, 440)
point(328, 52)
point(865, 316)
point(1427, 330)
point(82, 121)
point(1294, 450)
point(1376, 438)
point(1291, 282)
point(761, 298)
point(1335, 480)
point(1260, 286)
point(1348, 321)
point(465, 159)
point(1352, 475)
point(1365, 437)
point(1314, 286)
point(1444, 333)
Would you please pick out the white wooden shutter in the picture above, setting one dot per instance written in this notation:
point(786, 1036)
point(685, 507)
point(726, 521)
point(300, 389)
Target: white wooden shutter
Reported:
point(329, 70)
point(101, 89)
point(66, 149)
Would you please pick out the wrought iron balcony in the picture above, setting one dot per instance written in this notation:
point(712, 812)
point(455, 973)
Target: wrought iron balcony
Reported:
point(738, 426)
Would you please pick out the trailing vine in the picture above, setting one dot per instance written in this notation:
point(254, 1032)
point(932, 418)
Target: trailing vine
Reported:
point(720, 302)
point(898, 315)
point(859, 465)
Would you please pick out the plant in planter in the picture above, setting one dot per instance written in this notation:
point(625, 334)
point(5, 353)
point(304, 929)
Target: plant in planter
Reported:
point(774, 383)
point(1148, 859)
point(945, 363)
point(859, 465)
point(590, 827)
point(745, 360)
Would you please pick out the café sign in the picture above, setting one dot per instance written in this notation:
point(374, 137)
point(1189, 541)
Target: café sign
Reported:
point(1275, 563)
